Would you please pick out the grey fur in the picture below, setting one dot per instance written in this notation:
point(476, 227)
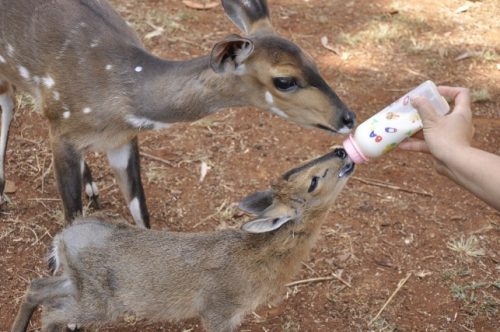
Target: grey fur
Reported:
point(108, 270)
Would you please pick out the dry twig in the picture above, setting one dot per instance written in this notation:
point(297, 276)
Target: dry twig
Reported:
point(319, 279)
point(150, 156)
point(400, 285)
point(390, 186)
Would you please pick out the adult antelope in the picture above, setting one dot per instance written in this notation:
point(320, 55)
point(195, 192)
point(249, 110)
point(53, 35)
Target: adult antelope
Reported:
point(98, 86)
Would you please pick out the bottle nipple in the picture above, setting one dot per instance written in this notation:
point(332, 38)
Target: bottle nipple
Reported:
point(353, 151)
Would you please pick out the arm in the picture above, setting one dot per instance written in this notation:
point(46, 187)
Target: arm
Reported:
point(447, 138)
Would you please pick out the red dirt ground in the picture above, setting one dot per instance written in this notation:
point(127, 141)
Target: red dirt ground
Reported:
point(397, 216)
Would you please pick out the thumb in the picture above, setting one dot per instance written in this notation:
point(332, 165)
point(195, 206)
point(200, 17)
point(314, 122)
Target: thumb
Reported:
point(425, 110)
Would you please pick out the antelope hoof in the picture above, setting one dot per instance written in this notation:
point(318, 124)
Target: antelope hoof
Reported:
point(93, 194)
point(73, 327)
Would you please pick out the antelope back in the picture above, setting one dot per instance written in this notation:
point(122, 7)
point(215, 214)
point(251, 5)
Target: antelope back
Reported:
point(49, 48)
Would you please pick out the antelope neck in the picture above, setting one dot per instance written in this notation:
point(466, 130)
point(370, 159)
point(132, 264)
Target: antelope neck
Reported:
point(180, 91)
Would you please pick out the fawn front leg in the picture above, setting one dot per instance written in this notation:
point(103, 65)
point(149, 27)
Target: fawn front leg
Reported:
point(67, 170)
point(7, 106)
point(126, 165)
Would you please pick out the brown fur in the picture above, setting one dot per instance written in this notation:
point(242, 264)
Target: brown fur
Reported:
point(108, 270)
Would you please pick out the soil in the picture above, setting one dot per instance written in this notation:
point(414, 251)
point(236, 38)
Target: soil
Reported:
point(396, 217)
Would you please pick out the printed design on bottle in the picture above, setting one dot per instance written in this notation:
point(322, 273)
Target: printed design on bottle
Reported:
point(378, 138)
point(390, 130)
point(406, 100)
point(391, 116)
point(415, 118)
point(390, 147)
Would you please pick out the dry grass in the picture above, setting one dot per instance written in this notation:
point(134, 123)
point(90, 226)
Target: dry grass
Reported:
point(480, 95)
point(466, 247)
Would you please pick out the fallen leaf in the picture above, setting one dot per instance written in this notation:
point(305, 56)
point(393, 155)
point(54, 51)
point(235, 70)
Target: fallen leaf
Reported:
point(324, 42)
point(10, 187)
point(155, 33)
point(203, 171)
point(200, 6)
point(467, 54)
point(465, 7)
point(423, 273)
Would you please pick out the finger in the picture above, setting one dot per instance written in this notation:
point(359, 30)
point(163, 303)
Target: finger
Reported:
point(460, 95)
point(462, 99)
point(419, 134)
point(425, 110)
point(413, 144)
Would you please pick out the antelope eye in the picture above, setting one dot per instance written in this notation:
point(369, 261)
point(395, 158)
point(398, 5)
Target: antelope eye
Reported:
point(314, 184)
point(340, 153)
point(285, 84)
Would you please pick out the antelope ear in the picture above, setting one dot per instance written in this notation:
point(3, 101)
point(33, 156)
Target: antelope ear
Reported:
point(230, 53)
point(249, 15)
point(264, 225)
point(257, 202)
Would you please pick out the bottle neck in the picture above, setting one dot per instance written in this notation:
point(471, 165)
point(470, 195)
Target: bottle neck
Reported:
point(353, 151)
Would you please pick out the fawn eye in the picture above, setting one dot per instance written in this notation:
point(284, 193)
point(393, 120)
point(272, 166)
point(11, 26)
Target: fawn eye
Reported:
point(340, 153)
point(286, 84)
point(314, 184)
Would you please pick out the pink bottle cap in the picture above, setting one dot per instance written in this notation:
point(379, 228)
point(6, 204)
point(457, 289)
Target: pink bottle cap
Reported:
point(353, 151)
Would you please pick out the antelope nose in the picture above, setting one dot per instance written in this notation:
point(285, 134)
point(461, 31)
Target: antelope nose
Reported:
point(349, 119)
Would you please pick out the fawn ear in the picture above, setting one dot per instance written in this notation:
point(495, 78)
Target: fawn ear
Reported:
point(257, 202)
point(249, 15)
point(230, 53)
point(264, 225)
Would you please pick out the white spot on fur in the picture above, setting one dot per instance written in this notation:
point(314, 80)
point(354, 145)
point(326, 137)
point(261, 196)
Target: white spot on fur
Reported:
point(118, 158)
point(344, 130)
point(66, 114)
point(141, 122)
point(94, 43)
point(53, 255)
point(87, 110)
point(83, 24)
point(56, 95)
point(138, 69)
point(279, 112)
point(2, 59)
point(240, 70)
point(109, 67)
point(10, 50)
point(24, 72)
point(91, 189)
point(48, 81)
point(135, 210)
point(269, 98)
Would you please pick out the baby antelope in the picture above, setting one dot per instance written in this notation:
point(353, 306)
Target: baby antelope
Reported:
point(104, 270)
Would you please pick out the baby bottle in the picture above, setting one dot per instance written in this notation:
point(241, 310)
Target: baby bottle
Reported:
point(385, 130)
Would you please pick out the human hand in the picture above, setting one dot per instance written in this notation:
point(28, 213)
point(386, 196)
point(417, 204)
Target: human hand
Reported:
point(443, 136)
